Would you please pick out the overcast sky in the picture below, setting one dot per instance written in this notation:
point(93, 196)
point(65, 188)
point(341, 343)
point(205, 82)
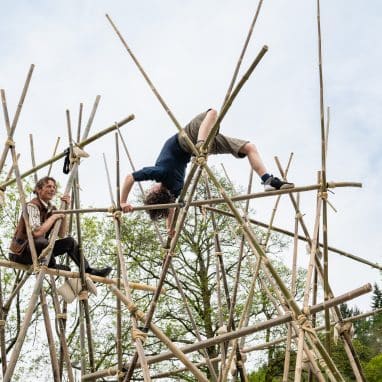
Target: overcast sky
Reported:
point(189, 49)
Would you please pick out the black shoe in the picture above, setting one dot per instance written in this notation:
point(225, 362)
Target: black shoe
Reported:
point(61, 267)
point(103, 272)
point(273, 183)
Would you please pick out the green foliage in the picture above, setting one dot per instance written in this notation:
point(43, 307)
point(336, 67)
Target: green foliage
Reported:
point(373, 369)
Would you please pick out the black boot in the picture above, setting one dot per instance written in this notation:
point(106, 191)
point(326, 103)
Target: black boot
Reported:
point(102, 272)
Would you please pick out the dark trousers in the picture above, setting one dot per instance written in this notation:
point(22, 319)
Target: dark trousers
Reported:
point(61, 246)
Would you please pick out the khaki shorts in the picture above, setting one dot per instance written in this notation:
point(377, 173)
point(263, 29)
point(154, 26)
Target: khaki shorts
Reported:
point(220, 145)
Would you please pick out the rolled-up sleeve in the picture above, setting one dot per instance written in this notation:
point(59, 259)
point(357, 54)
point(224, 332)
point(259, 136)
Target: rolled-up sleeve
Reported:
point(34, 216)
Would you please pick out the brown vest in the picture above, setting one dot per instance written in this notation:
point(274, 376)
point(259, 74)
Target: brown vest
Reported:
point(20, 239)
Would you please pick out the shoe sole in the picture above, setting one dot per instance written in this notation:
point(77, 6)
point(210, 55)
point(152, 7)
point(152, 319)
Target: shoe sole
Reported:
point(283, 187)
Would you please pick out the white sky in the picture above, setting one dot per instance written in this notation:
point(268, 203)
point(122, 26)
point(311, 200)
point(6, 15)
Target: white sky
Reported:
point(189, 49)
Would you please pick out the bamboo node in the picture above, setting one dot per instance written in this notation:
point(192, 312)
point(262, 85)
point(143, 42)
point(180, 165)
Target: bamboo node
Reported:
point(137, 334)
point(83, 295)
point(323, 195)
point(218, 253)
point(2, 322)
point(62, 316)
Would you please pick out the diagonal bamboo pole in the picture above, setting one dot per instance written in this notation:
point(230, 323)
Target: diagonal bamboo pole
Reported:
point(258, 251)
point(283, 319)
point(350, 351)
point(16, 117)
point(49, 334)
point(240, 60)
point(82, 144)
point(173, 271)
point(44, 307)
point(53, 155)
point(60, 319)
point(137, 335)
point(38, 284)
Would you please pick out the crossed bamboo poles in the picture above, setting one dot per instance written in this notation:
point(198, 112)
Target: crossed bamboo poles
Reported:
point(181, 214)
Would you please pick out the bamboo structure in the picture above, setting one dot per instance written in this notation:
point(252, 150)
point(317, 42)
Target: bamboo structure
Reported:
point(136, 316)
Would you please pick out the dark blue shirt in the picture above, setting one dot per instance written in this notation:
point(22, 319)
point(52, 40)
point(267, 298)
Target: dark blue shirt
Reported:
point(170, 167)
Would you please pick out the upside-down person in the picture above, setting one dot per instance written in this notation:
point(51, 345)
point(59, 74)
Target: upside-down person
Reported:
point(41, 221)
point(170, 167)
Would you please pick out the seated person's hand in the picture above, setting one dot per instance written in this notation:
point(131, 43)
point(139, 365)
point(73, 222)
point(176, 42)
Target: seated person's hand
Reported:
point(127, 207)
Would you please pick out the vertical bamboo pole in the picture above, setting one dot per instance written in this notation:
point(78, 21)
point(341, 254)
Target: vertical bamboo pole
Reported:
point(323, 184)
point(173, 271)
point(118, 302)
point(16, 117)
point(240, 60)
point(293, 289)
point(38, 284)
point(33, 157)
point(61, 318)
point(137, 335)
point(2, 331)
point(53, 155)
point(49, 334)
point(44, 307)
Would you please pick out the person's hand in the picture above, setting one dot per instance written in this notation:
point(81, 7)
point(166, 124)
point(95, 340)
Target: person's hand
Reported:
point(65, 198)
point(127, 207)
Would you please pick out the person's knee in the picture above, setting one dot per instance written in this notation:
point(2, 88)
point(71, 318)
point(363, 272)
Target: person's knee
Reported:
point(212, 113)
point(41, 243)
point(248, 149)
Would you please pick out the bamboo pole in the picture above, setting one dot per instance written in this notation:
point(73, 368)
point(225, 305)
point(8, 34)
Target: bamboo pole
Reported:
point(49, 335)
point(300, 237)
point(82, 144)
point(18, 179)
point(354, 359)
point(173, 271)
point(198, 203)
point(258, 251)
point(173, 349)
point(53, 155)
point(60, 319)
point(44, 307)
point(118, 302)
point(32, 156)
point(137, 335)
point(240, 60)
point(3, 349)
point(36, 290)
point(294, 290)
point(283, 319)
point(16, 117)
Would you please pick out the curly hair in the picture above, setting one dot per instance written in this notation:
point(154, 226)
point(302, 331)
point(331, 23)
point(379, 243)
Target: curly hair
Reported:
point(161, 196)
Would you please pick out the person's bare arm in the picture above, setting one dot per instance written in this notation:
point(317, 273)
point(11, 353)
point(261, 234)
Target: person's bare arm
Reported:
point(126, 188)
point(47, 225)
point(64, 224)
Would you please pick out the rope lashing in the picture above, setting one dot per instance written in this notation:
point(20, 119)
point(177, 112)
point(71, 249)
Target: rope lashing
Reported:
point(10, 142)
point(305, 324)
point(341, 328)
point(117, 215)
point(137, 334)
point(218, 253)
point(83, 295)
point(323, 195)
point(62, 316)
point(299, 215)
